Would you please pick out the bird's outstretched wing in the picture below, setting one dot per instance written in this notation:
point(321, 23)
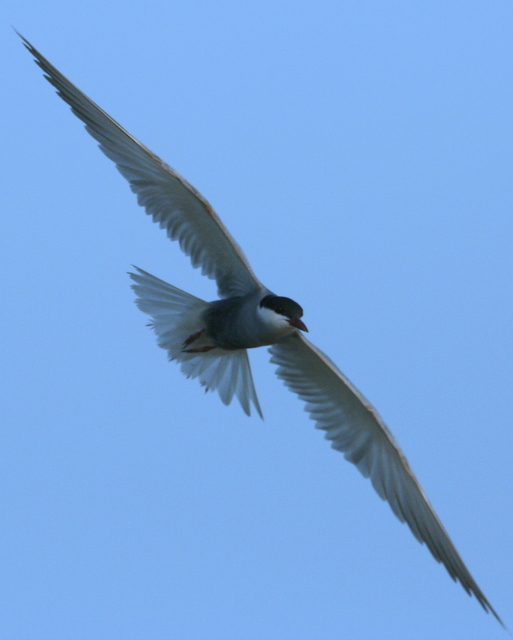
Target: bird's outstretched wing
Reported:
point(167, 197)
point(357, 430)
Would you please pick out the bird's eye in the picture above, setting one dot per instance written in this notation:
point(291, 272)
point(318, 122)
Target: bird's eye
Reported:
point(279, 310)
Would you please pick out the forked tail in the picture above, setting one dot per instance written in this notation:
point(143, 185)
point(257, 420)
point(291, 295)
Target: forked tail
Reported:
point(176, 317)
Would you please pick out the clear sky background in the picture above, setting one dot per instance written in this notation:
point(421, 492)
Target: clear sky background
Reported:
point(361, 153)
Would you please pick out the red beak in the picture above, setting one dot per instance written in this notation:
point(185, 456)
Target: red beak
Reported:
point(299, 324)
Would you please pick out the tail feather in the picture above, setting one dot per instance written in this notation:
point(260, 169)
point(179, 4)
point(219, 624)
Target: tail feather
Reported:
point(176, 315)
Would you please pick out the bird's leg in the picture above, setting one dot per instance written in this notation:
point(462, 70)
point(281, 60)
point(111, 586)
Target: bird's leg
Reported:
point(200, 350)
point(193, 337)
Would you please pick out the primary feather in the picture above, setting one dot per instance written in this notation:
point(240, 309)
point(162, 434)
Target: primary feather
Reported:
point(357, 430)
point(167, 197)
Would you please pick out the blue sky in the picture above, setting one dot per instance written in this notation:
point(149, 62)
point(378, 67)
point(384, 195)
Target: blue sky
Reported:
point(362, 155)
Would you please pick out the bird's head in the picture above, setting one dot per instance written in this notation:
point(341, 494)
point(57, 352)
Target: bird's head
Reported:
point(280, 312)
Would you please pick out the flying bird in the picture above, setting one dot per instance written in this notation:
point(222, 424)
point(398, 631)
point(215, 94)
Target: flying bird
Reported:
point(210, 340)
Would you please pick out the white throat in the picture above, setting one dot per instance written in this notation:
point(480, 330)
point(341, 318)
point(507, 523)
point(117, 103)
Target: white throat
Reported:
point(276, 324)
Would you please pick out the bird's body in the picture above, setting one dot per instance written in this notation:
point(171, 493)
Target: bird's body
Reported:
point(210, 339)
point(227, 322)
point(241, 322)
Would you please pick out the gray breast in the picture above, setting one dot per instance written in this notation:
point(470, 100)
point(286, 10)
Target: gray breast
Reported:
point(232, 323)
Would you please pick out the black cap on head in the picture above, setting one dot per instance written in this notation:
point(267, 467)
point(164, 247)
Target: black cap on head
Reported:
point(284, 306)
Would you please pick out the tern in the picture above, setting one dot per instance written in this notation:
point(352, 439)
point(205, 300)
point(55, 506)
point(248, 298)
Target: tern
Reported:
point(210, 339)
